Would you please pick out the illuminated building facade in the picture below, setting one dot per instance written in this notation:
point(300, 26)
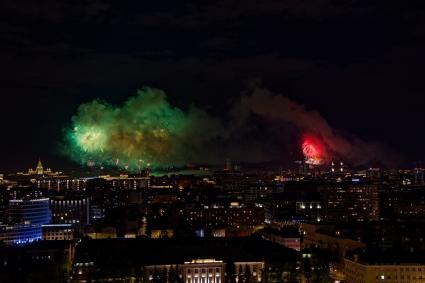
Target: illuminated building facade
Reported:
point(60, 183)
point(32, 211)
point(19, 234)
point(350, 202)
point(364, 271)
point(57, 232)
point(206, 271)
point(39, 170)
point(121, 182)
point(73, 210)
point(27, 216)
point(234, 216)
point(203, 271)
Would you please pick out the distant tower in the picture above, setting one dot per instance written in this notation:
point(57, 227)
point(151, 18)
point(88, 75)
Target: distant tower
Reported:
point(39, 170)
point(228, 165)
point(419, 176)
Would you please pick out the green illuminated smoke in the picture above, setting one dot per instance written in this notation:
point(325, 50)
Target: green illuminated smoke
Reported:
point(146, 131)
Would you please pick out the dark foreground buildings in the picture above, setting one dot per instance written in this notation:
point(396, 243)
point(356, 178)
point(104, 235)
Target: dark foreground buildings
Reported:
point(213, 260)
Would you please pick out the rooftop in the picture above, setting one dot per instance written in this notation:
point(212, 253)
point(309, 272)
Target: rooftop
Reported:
point(116, 253)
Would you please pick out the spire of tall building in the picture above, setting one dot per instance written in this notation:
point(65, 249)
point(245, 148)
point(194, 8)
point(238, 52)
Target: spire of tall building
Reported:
point(39, 170)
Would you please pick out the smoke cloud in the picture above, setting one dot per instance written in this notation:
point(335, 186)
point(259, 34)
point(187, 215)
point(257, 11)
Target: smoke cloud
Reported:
point(146, 131)
point(280, 108)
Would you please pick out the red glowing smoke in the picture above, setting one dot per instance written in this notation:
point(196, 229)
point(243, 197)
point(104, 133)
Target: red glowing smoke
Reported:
point(326, 141)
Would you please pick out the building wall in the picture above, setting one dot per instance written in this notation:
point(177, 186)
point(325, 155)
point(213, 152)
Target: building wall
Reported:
point(70, 211)
point(207, 270)
point(33, 211)
point(292, 206)
point(255, 269)
point(27, 216)
point(323, 241)
point(203, 271)
point(57, 232)
point(228, 217)
point(356, 272)
point(20, 234)
point(195, 271)
point(162, 233)
point(350, 202)
point(291, 243)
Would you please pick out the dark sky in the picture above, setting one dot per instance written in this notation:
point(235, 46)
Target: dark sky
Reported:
point(359, 62)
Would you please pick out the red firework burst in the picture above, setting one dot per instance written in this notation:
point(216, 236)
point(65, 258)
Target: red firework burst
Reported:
point(311, 152)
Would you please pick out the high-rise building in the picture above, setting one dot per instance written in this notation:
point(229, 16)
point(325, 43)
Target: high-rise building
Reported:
point(236, 217)
point(26, 217)
point(73, 210)
point(228, 165)
point(419, 176)
point(29, 211)
point(293, 206)
point(350, 201)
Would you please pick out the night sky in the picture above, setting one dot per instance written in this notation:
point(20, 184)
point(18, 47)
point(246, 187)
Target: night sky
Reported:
point(359, 63)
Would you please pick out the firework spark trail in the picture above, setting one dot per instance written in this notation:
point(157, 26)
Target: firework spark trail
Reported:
point(311, 153)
